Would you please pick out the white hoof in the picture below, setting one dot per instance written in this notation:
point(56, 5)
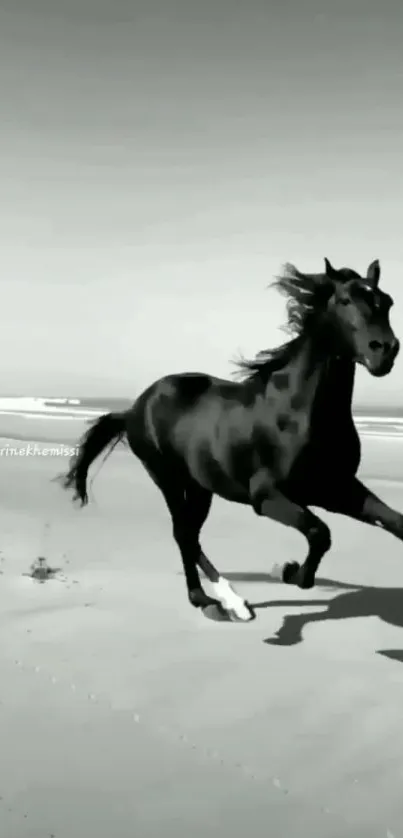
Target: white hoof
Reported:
point(236, 607)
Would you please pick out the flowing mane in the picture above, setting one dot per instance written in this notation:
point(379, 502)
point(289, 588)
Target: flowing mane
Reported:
point(307, 296)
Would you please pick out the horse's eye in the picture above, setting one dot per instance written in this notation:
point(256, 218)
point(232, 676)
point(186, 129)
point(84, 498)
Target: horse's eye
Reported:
point(344, 301)
point(367, 296)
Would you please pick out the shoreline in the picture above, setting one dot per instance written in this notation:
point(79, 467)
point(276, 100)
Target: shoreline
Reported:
point(381, 427)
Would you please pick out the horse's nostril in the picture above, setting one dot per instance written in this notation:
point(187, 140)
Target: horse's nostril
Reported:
point(376, 344)
point(388, 347)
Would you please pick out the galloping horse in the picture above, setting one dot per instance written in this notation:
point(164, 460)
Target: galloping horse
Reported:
point(281, 439)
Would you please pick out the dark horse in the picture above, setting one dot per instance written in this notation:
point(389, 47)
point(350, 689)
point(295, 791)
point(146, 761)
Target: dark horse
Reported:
point(281, 439)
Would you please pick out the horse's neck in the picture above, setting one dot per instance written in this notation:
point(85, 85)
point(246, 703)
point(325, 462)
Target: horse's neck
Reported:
point(297, 381)
point(315, 382)
point(335, 391)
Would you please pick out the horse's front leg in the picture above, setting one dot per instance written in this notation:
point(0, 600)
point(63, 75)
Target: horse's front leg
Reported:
point(267, 501)
point(353, 499)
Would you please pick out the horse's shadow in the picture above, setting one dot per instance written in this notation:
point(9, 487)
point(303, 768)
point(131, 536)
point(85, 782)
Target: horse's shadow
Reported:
point(354, 601)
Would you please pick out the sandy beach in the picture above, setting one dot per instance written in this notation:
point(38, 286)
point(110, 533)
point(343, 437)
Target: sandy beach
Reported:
point(213, 187)
point(126, 712)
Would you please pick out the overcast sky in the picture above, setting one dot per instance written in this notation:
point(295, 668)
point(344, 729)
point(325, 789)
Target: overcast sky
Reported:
point(161, 160)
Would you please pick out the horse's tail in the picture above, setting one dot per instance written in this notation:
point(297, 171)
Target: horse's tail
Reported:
point(109, 429)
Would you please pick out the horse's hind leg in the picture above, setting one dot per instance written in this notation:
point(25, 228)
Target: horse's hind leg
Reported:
point(198, 503)
point(184, 531)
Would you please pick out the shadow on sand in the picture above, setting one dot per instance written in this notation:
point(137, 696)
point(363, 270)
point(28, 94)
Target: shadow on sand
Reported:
point(353, 601)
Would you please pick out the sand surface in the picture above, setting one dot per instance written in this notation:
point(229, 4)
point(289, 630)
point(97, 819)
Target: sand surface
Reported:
point(124, 712)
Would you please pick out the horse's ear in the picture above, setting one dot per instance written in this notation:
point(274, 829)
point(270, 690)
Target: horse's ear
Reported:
point(330, 270)
point(373, 273)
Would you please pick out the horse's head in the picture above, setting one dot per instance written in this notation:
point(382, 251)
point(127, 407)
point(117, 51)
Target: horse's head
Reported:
point(358, 318)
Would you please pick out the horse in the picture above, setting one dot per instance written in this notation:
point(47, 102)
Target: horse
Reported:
point(280, 438)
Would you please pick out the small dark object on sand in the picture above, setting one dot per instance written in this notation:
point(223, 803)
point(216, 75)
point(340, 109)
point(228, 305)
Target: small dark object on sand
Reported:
point(40, 570)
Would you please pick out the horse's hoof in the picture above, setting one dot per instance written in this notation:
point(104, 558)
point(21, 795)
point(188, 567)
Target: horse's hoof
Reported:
point(237, 608)
point(220, 614)
point(242, 614)
point(307, 582)
point(291, 573)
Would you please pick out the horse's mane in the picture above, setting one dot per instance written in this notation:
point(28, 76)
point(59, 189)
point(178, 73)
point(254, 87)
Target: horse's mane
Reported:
point(307, 296)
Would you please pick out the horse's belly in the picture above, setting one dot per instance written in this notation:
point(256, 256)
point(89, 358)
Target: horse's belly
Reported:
point(216, 474)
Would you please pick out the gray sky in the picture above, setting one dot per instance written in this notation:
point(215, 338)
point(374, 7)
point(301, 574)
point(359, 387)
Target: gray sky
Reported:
point(159, 161)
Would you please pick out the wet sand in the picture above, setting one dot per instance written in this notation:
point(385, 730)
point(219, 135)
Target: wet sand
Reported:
point(126, 712)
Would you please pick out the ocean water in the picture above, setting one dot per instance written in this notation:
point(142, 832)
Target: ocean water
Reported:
point(60, 408)
point(373, 421)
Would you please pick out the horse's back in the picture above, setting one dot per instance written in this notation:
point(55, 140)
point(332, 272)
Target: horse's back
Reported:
point(171, 400)
point(179, 391)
